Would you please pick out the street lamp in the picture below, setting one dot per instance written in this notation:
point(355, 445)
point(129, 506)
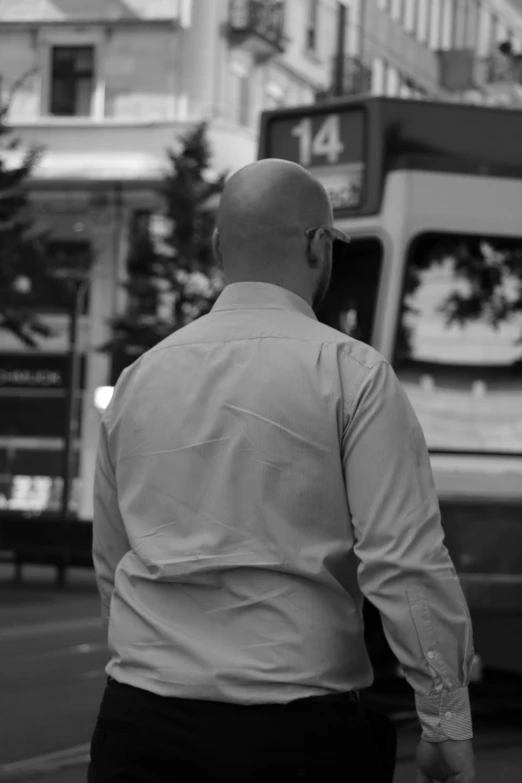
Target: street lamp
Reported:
point(102, 397)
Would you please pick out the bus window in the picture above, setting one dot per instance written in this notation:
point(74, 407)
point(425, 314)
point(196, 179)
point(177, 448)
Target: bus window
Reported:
point(458, 347)
point(349, 305)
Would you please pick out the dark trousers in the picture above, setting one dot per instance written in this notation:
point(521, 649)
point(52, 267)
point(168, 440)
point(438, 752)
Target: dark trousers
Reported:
point(144, 738)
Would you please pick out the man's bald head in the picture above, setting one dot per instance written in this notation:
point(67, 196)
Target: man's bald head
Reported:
point(265, 209)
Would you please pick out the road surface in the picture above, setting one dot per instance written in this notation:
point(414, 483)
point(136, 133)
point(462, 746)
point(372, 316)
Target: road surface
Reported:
point(52, 659)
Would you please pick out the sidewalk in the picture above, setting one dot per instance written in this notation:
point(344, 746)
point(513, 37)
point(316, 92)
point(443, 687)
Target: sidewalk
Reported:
point(36, 599)
point(502, 764)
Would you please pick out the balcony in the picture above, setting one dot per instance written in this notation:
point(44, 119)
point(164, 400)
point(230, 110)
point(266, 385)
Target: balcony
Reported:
point(495, 80)
point(34, 12)
point(258, 26)
point(356, 79)
point(457, 70)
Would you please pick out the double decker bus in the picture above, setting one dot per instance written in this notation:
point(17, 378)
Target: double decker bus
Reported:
point(431, 195)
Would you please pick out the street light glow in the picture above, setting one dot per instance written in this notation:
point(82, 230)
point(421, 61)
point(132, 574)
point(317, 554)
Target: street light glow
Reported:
point(102, 397)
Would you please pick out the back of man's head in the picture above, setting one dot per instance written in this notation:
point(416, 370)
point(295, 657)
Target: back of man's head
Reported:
point(264, 212)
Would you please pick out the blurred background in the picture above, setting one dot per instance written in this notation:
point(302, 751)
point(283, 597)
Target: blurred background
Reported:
point(120, 121)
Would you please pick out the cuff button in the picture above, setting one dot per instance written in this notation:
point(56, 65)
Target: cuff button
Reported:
point(448, 715)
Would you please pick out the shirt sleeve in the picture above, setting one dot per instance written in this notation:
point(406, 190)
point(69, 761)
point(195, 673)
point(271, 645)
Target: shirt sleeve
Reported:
point(110, 541)
point(405, 570)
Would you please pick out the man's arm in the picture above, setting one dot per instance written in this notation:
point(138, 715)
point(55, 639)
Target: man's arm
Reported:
point(110, 541)
point(405, 570)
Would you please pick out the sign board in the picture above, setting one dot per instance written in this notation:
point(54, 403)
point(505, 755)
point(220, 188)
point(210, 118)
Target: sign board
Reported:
point(14, 377)
point(30, 371)
point(330, 143)
point(352, 145)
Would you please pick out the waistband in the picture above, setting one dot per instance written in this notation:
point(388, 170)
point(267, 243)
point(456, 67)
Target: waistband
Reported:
point(345, 697)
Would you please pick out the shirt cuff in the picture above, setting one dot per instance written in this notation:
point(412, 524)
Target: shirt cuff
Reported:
point(445, 716)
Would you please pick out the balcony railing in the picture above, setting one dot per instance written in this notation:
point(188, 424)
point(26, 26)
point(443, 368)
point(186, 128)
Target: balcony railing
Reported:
point(257, 24)
point(504, 69)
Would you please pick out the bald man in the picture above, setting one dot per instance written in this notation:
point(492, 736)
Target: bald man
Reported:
point(264, 215)
point(257, 473)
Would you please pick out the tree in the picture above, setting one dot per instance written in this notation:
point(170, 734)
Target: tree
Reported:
point(23, 253)
point(172, 276)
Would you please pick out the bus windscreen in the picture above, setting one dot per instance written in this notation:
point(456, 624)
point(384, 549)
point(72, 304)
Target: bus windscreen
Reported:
point(458, 349)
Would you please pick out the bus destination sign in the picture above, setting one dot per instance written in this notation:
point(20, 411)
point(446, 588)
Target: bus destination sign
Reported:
point(330, 144)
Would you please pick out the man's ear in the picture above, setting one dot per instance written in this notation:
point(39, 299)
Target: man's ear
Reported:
point(215, 247)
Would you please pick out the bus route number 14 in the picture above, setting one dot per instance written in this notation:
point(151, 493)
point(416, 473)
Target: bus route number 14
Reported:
point(326, 143)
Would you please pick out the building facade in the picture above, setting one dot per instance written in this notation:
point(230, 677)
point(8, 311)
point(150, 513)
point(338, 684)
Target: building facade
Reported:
point(464, 50)
point(106, 86)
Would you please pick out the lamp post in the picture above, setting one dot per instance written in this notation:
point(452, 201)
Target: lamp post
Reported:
point(338, 80)
point(73, 382)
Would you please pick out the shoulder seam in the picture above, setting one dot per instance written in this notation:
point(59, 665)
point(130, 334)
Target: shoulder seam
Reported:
point(380, 360)
point(319, 341)
point(349, 411)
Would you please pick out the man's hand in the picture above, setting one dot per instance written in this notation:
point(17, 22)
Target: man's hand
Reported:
point(452, 761)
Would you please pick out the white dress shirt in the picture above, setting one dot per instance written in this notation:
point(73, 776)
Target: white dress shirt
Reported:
point(257, 470)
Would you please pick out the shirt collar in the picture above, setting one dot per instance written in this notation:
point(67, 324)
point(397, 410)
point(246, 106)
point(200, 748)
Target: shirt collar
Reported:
point(261, 296)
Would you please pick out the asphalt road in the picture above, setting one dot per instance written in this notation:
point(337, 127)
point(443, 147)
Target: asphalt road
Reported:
point(52, 659)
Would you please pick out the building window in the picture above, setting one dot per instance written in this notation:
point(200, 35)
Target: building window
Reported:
point(472, 25)
point(435, 24)
point(484, 32)
point(516, 42)
point(464, 22)
point(392, 81)
point(242, 99)
point(405, 90)
point(274, 95)
point(72, 81)
point(240, 95)
point(244, 104)
point(311, 26)
point(410, 15)
point(510, 39)
point(396, 9)
point(378, 76)
point(422, 20)
point(501, 33)
point(492, 46)
point(271, 102)
point(446, 24)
